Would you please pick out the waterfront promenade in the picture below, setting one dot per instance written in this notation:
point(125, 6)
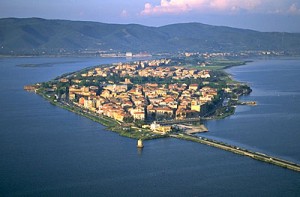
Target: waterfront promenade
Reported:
point(240, 151)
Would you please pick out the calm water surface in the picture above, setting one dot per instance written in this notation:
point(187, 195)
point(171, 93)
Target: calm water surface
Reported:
point(273, 125)
point(48, 151)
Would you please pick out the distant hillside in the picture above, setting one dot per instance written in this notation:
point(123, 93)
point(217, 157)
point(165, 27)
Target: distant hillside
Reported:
point(37, 36)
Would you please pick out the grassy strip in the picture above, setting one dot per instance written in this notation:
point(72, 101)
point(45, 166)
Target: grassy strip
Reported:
point(219, 65)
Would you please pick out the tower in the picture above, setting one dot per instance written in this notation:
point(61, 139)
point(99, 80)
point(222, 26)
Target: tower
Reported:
point(140, 143)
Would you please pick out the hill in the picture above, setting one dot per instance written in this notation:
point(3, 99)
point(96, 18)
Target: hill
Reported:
point(41, 36)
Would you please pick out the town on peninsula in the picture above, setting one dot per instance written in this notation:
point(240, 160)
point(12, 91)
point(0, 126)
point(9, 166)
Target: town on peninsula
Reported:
point(151, 98)
point(160, 97)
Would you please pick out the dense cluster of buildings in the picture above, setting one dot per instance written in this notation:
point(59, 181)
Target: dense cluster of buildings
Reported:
point(151, 101)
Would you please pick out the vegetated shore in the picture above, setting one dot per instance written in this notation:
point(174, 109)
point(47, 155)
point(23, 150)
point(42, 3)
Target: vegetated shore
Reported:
point(115, 126)
point(109, 123)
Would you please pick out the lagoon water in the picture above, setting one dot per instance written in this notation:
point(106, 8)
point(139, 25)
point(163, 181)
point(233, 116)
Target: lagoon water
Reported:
point(48, 151)
point(273, 126)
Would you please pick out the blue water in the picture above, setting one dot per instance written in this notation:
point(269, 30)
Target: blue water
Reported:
point(48, 151)
point(273, 125)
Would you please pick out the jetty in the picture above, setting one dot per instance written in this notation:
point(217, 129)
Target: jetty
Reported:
point(190, 129)
point(30, 88)
point(251, 103)
point(241, 151)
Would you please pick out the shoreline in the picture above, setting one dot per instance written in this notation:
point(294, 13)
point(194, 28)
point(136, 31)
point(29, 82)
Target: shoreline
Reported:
point(188, 135)
point(109, 123)
point(116, 126)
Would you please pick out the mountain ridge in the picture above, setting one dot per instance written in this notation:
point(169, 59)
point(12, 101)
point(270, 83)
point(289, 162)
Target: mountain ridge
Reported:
point(55, 36)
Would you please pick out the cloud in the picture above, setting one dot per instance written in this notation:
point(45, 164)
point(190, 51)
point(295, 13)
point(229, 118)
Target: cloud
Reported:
point(289, 8)
point(180, 6)
point(293, 9)
point(235, 4)
point(124, 13)
point(172, 6)
point(231, 6)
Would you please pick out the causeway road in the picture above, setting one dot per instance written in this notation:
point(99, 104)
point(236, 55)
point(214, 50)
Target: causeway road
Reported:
point(254, 155)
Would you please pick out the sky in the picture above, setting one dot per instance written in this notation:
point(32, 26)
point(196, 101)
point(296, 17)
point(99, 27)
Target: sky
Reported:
point(261, 15)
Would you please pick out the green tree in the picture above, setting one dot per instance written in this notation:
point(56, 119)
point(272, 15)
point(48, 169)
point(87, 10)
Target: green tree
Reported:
point(128, 119)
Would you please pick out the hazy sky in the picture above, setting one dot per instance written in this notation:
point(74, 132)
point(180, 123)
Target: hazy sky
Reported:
point(262, 15)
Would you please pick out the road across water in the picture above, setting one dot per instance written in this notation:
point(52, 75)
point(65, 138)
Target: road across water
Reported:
point(240, 151)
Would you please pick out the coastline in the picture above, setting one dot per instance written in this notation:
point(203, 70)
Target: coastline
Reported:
point(109, 123)
point(145, 134)
point(131, 131)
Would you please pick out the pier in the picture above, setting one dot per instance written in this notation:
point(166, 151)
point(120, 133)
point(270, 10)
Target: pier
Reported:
point(252, 103)
point(30, 88)
point(237, 150)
